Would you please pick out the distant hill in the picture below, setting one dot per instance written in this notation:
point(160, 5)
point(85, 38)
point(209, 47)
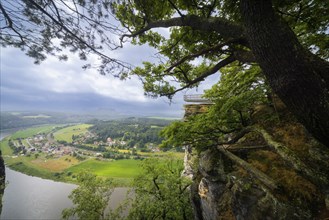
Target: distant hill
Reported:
point(9, 120)
point(16, 119)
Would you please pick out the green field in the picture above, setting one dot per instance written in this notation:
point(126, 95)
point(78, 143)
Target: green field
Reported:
point(65, 134)
point(178, 155)
point(29, 132)
point(116, 169)
point(5, 149)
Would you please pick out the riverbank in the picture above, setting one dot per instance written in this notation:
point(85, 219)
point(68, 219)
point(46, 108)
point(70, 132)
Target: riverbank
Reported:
point(28, 197)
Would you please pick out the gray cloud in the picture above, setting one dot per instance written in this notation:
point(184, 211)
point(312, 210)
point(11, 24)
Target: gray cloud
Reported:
point(55, 85)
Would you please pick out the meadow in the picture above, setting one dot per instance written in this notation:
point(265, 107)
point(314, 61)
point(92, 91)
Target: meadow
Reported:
point(121, 171)
point(29, 132)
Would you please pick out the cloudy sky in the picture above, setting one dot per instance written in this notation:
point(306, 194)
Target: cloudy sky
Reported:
point(65, 86)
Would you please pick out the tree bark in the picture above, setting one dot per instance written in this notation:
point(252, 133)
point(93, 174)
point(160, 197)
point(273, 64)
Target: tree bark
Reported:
point(300, 78)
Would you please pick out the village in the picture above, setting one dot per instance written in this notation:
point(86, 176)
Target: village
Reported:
point(46, 144)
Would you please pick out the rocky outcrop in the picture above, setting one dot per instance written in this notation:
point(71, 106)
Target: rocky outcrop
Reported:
point(220, 191)
point(2, 180)
point(284, 177)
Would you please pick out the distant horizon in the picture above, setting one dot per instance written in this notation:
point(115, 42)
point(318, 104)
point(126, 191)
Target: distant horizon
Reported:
point(100, 112)
point(65, 86)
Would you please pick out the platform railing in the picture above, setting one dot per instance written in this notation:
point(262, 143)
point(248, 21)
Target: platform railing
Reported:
point(197, 98)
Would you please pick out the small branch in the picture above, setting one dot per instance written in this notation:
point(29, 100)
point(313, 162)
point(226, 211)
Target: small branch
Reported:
point(157, 24)
point(191, 56)
point(173, 45)
point(157, 186)
point(211, 71)
point(10, 23)
point(8, 19)
point(174, 6)
point(57, 12)
point(182, 190)
point(211, 8)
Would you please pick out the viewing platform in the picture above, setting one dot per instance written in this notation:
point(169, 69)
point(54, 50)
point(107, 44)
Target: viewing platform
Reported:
point(196, 98)
point(196, 104)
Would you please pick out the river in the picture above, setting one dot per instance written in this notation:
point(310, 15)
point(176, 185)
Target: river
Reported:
point(28, 197)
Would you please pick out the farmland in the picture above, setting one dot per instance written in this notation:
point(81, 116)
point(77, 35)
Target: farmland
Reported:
point(51, 152)
point(33, 131)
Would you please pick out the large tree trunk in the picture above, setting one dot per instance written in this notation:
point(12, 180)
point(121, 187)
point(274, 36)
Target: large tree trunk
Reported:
point(300, 78)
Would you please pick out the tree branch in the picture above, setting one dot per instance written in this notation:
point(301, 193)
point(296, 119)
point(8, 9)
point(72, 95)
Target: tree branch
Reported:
point(191, 56)
point(10, 23)
point(57, 12)
point(8, 19)
point(211, 71)
point(227, 29)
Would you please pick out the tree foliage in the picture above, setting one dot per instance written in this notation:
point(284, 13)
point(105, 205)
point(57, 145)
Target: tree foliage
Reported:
point(160, 191)
point(90, 199)
point(287, 40)
point(207, 35)
point(234, 100)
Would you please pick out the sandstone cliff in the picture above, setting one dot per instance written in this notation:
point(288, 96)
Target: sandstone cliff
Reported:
point(269, 171)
